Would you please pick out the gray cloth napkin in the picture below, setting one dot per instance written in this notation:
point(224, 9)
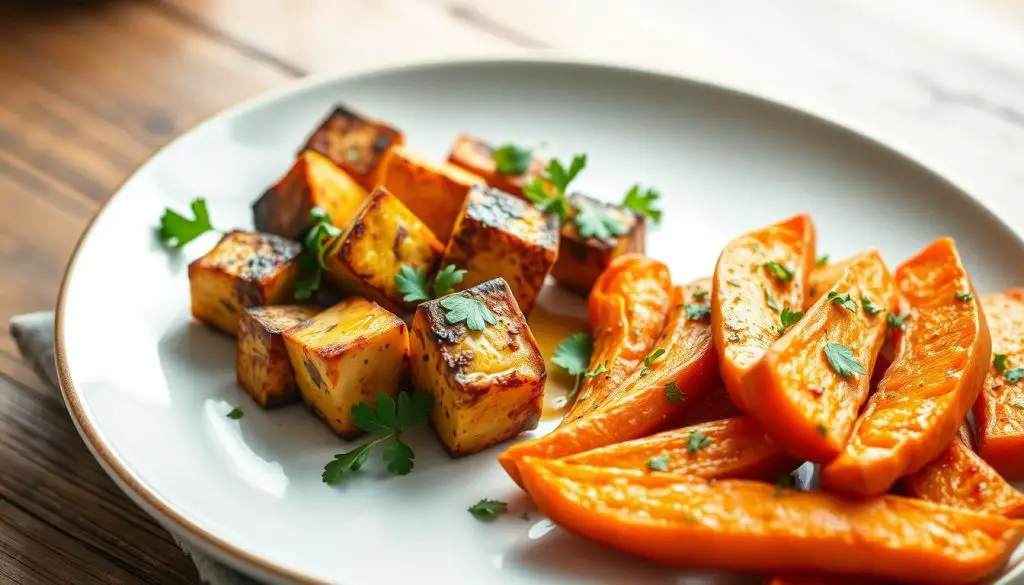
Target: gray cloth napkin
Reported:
point(34, 334)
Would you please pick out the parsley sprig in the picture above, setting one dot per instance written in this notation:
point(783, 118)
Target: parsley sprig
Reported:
point(413, 282)
point(643, 202)
point(572, 354)
point(595, 221)
point(842, 360)
point(779, 271)
point(650, 359)
point(843, 300)
point(548, 192)
point(176, 230)
point(388, 419)
point(487, 510)
point(463, 308)
point(697, 442)
point(512, 159)
point(319, 242)
point(789, 318)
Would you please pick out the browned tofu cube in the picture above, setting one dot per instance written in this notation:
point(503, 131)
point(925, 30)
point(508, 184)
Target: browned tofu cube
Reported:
point(581, 260)
point(477, 157)
point(501, 236)
point(382, 238)
point(356, 143)
point(313, 181)
point(244, 269)
point(261, 363)
point(433, 191)
point(348, 354)
point(487, 382)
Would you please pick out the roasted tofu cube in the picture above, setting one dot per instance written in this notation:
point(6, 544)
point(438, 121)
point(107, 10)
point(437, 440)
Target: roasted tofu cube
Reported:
point(348, 354)
point(581, 260)
point(500, 236)
point(382, 238)
point(313, 181)
point(244, 269)
point(433, 191)
point(487, 383)
point(356, 143)
point(262, 364)
point(477, 157)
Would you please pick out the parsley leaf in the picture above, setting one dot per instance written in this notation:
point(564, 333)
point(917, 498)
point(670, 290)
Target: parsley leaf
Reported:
point(700, 293)
point(573, 354)
point(842, 360)
point(473, 311)
point(320, 241)
point(642, 202)
point(843, 300)
point(733, 337)
point(897, 321)
point(596, 371)
point(446, 279)
point(673, 393)
point(964, 296)
point(594, 221)
point(789, 317)
point(412, 282)
point(697, 442)
point(822, 430)
point(654, 355)
point(487, 510)
point(822, 260)
point(770, 299)
point(388, 419)
point(779, 271)
point(176, 230)
point(659, 463)
point(512, 160)
point(869, 307)
point(1015, 375)
point(999, 362)
point(236, 413)
point(548, 193)
point(697, 312)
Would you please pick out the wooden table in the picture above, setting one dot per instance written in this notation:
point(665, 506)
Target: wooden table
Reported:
point(87, 93)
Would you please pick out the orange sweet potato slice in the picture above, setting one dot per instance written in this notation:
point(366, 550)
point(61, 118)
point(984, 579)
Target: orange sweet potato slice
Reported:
point(939, 366)
point(820, 580)
point(823, 277)
point(809, 386)
point(649, 397)
point(627, 308)
point(750, 526)
point(999, 411)
point(757, 275)
point(958, 477)
point(714, 404)
point(730, 448)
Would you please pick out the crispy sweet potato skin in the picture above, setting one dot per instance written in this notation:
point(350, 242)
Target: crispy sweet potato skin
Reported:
point(499, 236)
point(744, 322)
point(488, 385)
point(477, 157)
point(805, 405)
point(753, 526)
point(357, 144)
point(999, 411)
point(244, 269)
point(628, 308)
point(261, 363)
point(581, 261)
point(939, 367)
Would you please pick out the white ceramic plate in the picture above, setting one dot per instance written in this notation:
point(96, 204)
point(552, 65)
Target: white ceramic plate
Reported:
point(149, 388)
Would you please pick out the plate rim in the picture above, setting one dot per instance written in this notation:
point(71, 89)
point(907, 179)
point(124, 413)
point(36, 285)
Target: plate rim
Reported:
point(178, 523)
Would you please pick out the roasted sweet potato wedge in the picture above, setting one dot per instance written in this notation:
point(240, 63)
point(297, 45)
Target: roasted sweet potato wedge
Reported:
point(650, 396)
point(262, 364)
point(999, 411)
point(811, 383)
point(357, 144)
point(715, 404)
point(758, 275)
point(627, 309)
point(938, 370)
point(823, 276)
point(753, 526)
point(730, 448)
point(477, 157)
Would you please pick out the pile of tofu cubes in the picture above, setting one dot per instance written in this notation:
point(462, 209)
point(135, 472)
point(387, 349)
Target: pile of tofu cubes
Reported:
point(396, 208)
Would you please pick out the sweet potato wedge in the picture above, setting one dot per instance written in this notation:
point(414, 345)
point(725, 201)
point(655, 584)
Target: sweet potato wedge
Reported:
point(811, 383)
point(641, 404)
point(627, 310)
point(747, 525)
point(999, 411)
point(712, 405)
point(938, 370)
point(757, 275)
point(823, 277)
point(730, 448)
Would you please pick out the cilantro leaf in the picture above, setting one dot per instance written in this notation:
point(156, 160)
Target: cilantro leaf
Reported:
point(512, 160)
point(366, 419)
point(770, 299)
point(650, 359)
point(700, 293)
point(697, 312)
point(573, 354)
point(843, 300)
point(822, 260)
point(783, 273)
point(412, 282)
point(594, 221)
point(236, 413)
point(548, 193)
point(348, 462)
point(464, 308)
point(659, 463)
point(673, 393)
point(869, 306)
point(733, 337)
point(643, 202)
point(789, 317)
point(600, 369)
point(320, 241)
point(446, 279)
point(697, 442)
point(842, 360)
point(488, 510)
point(176, 230)
point(964, 296)
point(413, 409)
point(1015, 375)
point(999, 362)
point(398, 455)
point(897, 321)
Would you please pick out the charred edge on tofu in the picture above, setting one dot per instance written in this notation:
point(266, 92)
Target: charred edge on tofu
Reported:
point(344, 122)
point(498, 209)
point(284, 208)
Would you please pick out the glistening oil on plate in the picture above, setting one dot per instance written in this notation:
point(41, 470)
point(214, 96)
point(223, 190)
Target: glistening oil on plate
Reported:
point(549, 329)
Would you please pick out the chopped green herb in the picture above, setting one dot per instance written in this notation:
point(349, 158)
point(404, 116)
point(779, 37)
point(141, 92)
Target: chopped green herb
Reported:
point(446, 279)
point(770, 299)
point(870, 307)
point(594, 221)
point(897, 321)
point(734, 337)
point(673, 393)
point(412, 282)
point(779, 271)
point(822, 430)
point(733, 282)
point(573, 354)
point(843, 300)
point(464, 308)
point(964, 296)
point(700, 293)
point(822, 260)
point(320, 241)
point(176, 230)
point(842, 360)
point(999, 362)
point(697, 442)
point(236, 413)
point(1015, 375)
point(789, 317)
point(487, 510)
point(600, 369)
point(697, 312)
point(512, 160)
point(659, 463)
point(642, 202)
point(650, 360)
point(548, 193)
